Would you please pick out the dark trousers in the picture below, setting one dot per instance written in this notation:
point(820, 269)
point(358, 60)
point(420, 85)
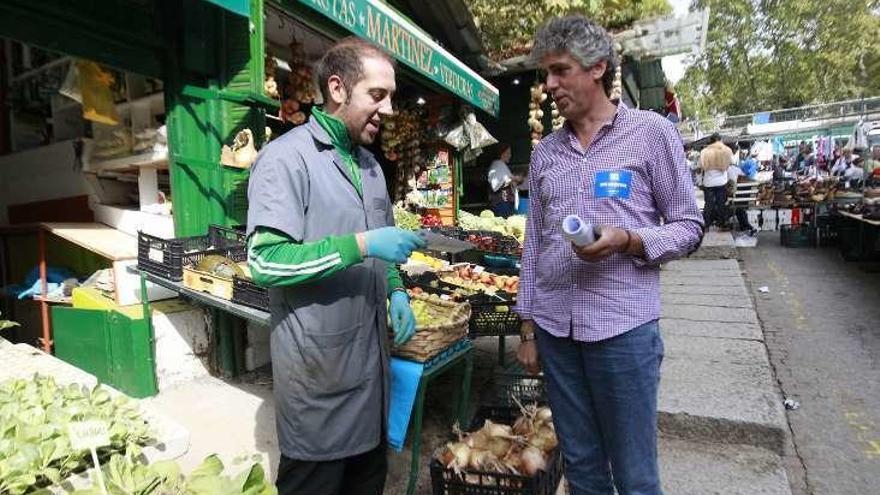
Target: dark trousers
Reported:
point(363, 474)
point(715, 211)
point(742, 218)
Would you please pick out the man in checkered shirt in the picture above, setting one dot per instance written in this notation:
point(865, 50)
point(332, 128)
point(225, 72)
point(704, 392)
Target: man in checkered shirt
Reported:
point(590, 314)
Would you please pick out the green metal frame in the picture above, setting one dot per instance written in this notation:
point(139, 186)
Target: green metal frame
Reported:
point(463, 361)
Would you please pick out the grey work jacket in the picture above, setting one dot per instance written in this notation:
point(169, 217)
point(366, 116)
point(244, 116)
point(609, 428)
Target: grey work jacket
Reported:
point(329, 339)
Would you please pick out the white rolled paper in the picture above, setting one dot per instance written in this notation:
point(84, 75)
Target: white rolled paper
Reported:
point(577, 231)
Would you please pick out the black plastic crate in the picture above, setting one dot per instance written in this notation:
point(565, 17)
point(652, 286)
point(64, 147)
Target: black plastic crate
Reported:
point(503, 244)
point(514, 384)
point(249, 294)
point(493, 318)
point(801, 235)
point(164, 257)
point(447, 482)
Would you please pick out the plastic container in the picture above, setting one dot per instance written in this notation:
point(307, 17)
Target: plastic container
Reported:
point(491, 317)
point(795, 236)
point(250, 294)
point(514, 382)
point(164, 257)
point(445, 481)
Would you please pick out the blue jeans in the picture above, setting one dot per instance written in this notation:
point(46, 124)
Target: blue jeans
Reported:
point(604, 401)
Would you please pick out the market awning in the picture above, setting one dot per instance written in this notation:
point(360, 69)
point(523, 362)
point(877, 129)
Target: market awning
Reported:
point(377, 22)
point(240, 7)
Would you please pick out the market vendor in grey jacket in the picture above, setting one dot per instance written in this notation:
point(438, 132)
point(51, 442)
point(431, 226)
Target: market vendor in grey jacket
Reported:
point(322, 237)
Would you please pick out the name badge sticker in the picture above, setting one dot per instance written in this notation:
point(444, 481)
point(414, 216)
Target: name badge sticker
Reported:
point(612, 184)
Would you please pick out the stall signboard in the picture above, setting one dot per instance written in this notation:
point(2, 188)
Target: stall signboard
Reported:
point(240, 7)
point(377, 22)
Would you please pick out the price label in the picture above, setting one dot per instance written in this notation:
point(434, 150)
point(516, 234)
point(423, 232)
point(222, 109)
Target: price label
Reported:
point(478, 269)
point(88, 434)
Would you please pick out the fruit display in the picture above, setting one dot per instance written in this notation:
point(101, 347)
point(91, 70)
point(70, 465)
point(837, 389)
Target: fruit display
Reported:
point(405, 219)
point(523, 448)
point(420, 258)
point(475, 278)
point(536, 114)
point(35, 447)
point(513, 226)
point(429, 220)
point(124, 476)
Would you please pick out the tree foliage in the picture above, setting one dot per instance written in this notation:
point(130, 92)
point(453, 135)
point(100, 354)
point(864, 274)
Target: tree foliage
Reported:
point(767, 54)
point(508, 26)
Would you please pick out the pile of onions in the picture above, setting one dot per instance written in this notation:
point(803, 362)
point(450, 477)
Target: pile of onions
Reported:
point(520, 449)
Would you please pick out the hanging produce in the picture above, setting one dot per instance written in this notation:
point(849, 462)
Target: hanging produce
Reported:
point(300, 89)
point(402, 140)
point(557, 120)
point(617, 85)
point(242, 153)
point(536, 114)
point(270, 86)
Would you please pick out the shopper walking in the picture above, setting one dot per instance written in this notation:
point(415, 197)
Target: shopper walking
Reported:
point(590, 314)
point(715, 159)
point(321, 237)
point(503, 184)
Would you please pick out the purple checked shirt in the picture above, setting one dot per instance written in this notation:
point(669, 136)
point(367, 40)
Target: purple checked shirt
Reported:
point(644, 185)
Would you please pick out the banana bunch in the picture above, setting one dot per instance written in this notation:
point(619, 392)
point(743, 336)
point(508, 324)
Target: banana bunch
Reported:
point(538, 97)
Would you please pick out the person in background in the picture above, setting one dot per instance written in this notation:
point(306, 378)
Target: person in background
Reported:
point(873, 162)
point(715, 159)
point(735, 175)
point(856, 171)
point(590, 314)
point(799, 159)
point(842, 163)
point(807, 164)
point(749, 166)
point(503, 184)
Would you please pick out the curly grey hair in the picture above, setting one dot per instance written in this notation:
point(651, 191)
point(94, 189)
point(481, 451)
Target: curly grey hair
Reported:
point(585, 40)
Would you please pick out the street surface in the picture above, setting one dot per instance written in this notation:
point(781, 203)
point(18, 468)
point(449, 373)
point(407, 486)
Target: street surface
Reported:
point(820, 319)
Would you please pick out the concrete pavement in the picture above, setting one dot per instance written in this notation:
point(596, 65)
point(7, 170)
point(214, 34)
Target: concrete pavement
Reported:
point(717, 381)
point(820, 319)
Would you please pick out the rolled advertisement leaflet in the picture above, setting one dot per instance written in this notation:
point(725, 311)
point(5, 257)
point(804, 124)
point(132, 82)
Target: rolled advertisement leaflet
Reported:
point(579, 232)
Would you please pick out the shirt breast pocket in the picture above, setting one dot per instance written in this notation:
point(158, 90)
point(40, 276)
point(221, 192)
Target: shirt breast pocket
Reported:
point(378, 213)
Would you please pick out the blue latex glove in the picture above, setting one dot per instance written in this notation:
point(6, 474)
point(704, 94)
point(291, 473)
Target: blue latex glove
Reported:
point(391, 244)
point(403, 321)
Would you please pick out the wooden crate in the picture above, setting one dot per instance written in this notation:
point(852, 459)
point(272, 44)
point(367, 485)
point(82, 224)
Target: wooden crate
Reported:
point(206, 282)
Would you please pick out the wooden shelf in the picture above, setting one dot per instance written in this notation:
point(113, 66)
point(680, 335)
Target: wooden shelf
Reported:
point(150, 159)
point(96, 237)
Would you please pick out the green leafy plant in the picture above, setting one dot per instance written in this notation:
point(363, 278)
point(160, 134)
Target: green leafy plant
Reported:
point(125, 476)
point(35, 449)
